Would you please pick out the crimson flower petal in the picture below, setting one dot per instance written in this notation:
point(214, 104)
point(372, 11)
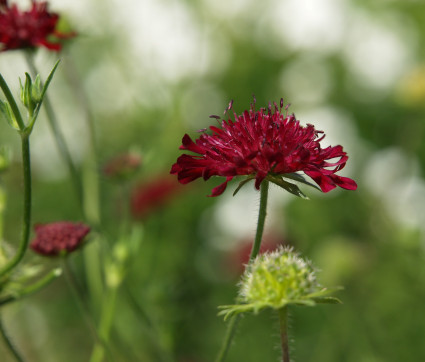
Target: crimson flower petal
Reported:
point(29, 29)
point(259, 143)
point(58, 237)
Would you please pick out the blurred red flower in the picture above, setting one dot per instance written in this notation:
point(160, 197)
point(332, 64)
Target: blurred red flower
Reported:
point(29, 29)
point(150, 195)
point(58, 237)
point(263, 144)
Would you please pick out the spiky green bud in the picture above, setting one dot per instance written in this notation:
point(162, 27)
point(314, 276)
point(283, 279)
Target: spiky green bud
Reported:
point(276, 279)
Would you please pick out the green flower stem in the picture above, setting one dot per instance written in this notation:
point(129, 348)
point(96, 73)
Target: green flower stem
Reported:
point(230, 333)
point(59, 138)
point(9, 344)
point(91, 185)
point(264, 192)
point(162, 354)
point(88, 196)
point(33, 288)
point(2, 209)
point(233, 323)
point(26, 164)
point(105, 324)
point(283, 321)
point(79, 300)
point(73, 79)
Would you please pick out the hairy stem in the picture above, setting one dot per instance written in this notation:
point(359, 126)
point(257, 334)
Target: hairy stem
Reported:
point(283, 321)
point(233, 323)
point(261, 220)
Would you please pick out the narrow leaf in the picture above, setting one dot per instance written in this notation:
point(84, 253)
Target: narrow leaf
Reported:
point(300, 178)
point(43, 92)
point(242, 183)
point(293, 189)
point(49, 79)
point(328, 300)
point(8, 114)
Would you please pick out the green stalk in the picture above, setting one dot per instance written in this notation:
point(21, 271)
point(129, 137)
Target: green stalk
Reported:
point(233, 323)
point(33, 288)
point(283, 321)
point(2, 208)
point(78, 296)
point(105, 324)
point(88, 197)
point(59, 138)
point(161, 353)
point(230, 333)
point(262, 213)
point(26, 168)
point(91, 186)
point(9, 343)
point(26, 164)
point(82, 305)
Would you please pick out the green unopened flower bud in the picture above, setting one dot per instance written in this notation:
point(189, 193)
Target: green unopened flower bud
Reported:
point(31, 93)
point(120, 252)
point(114, 275)
point(276, 279)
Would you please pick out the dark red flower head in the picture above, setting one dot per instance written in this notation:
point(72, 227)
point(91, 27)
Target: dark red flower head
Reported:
point(263, 144)
point(29, 29)
point(58, 237)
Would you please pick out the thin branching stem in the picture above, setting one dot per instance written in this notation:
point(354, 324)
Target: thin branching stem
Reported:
point(233, 323)
point(81, 303)
point(33, 288)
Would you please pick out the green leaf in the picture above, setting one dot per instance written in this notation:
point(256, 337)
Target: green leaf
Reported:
point(305, 302)
point(327, 300)
point(242, 183)
point(323, 292)
point(300, 178)
point(6, 110)
point(292, 188)
point(49, 79)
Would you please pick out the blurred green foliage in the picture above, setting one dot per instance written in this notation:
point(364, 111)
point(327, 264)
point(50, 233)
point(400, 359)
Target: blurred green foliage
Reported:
point(370, 241)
